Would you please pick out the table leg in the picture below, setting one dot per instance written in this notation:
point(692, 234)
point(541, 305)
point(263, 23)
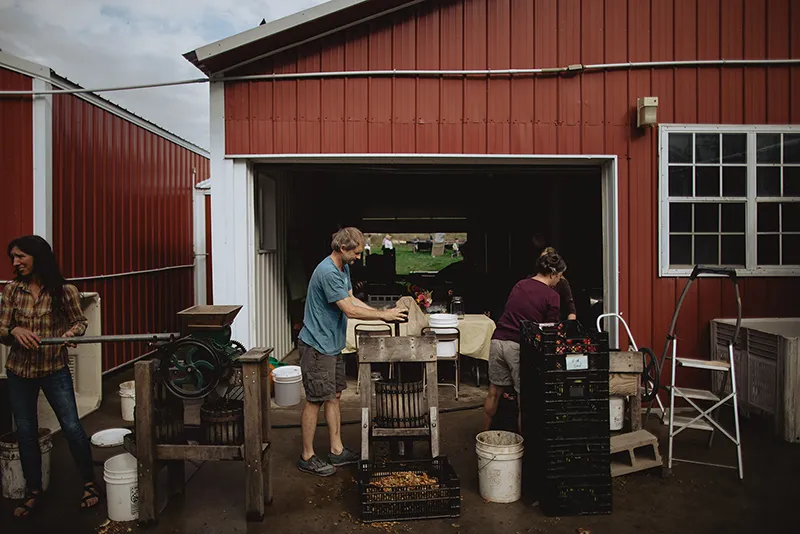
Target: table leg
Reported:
point(266, 430)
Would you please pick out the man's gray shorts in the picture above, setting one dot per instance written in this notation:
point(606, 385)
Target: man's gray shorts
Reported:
point(504, 363)
point(323, 375)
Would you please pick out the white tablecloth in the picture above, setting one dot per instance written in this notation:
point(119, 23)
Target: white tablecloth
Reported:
point(476, 334)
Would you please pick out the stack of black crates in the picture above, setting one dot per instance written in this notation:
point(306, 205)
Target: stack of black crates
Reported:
point(564, 405)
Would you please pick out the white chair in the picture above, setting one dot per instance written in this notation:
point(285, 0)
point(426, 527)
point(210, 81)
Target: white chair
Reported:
point(445, 335)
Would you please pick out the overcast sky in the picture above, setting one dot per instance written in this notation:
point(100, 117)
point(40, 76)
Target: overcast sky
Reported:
point(97, 43)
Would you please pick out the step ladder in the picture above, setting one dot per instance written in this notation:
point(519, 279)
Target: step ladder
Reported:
point(700, 418)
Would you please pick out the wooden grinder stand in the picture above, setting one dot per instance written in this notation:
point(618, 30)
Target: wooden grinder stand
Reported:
point(406, 349)
point(255, 451)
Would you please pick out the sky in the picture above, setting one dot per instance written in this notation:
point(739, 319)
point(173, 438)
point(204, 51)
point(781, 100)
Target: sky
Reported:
point(101, 43)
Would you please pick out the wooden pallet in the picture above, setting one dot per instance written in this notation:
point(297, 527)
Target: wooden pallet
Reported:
point(634, 451)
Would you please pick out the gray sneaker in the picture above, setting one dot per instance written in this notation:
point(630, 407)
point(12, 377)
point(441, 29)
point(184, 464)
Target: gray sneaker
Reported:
point(347, 457)
point(315, 466)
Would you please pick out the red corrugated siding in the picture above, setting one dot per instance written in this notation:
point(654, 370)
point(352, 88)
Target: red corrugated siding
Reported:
point(16, 163)
point(122, 202)
point(589, 113)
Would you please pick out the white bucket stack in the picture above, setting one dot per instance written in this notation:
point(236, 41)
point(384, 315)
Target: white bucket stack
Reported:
point(122, 489)
point(13, 480)
point(499, 465)
point(288, 384)
point(444, 323)
point(127, 395)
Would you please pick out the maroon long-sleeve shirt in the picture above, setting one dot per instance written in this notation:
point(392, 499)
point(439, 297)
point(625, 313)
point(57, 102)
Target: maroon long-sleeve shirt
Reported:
point(529, 300)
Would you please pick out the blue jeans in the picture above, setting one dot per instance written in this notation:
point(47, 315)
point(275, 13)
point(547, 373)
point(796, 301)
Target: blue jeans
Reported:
point(24, 395)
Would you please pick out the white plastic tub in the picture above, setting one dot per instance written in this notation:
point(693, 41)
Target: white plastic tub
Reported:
point(288, 385)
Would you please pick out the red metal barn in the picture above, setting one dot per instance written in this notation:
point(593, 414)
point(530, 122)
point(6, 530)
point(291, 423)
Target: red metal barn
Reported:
point(113, 194)
point(359, 111)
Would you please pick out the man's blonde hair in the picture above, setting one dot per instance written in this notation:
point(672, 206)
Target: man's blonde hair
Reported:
point(349, 238)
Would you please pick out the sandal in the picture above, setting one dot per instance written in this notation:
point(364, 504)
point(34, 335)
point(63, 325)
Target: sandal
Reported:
point(90, 491)
point(27, 509)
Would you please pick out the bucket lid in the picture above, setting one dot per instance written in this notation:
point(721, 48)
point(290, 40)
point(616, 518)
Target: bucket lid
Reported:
point(288, 371)
point(130, 384)
point(111, 437)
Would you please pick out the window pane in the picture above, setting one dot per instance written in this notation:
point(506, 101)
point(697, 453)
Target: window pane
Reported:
point(769, 181)
point(706, 148)
point(734, 181)
point(680, 250)
point(768, 148)
point(733, 250)
point(790, 217)
point(791, 250)
point(680, 181)
point(680, 217)
point(734, 148)
point(768, 215)
point(706, 181)
point(791, 181)
point(791, 148)
point(706, 249)
point(706, 218)
point(768, 249)
point(680, 148)
point(733, 216)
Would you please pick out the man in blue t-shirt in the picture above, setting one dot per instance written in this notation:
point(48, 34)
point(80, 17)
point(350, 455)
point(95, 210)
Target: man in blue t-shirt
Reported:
point(329, 303)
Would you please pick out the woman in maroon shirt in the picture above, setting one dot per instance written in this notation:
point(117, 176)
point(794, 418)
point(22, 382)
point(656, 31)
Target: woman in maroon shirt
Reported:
point(532, 299)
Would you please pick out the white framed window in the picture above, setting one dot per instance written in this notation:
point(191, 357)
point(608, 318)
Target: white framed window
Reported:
point(729, 195)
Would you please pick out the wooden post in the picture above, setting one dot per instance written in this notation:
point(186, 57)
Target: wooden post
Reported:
point(365, 377)
point(636, 408)
point(266, 429)
point(253, 435)
point(144, 372)
point(433, 405)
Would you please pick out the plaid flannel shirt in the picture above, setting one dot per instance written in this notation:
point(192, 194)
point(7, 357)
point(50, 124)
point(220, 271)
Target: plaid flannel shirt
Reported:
point(19, 308)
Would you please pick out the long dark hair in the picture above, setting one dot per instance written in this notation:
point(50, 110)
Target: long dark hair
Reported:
point(45, 267)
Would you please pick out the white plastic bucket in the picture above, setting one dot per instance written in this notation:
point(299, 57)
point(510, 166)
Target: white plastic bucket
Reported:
point(446, 349)
point(122, 489)
point(13, 480)
point(127, 395)
point(616, 412)
point(499, 465)
point(287, 385)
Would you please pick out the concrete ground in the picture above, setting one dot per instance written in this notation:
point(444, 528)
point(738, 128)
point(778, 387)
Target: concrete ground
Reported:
point(695, 499)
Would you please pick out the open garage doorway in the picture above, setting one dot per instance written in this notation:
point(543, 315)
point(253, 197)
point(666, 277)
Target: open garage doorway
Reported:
point(496, 207)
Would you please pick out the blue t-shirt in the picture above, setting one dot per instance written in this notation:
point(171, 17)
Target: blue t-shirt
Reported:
point(324, 324)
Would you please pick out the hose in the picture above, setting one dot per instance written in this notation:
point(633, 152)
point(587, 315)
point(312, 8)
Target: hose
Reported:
point(358, 421)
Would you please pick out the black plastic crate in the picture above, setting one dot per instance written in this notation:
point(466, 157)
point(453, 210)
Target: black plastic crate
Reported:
point(563, 385)
point(567, 410)
point(572, 362)
point(579, 428)
point(565, 458)
point(564, 496)
point(562, 337)
point(409, 502)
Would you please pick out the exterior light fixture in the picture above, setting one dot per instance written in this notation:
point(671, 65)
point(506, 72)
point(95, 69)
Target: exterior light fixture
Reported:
point(646, 111)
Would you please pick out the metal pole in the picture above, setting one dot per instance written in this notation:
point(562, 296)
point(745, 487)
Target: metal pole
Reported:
point(153, 338)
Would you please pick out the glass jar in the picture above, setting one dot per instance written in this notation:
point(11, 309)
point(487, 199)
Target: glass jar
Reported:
point(457, 307)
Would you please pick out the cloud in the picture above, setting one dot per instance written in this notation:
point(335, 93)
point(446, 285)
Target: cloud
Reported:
point(119, 42)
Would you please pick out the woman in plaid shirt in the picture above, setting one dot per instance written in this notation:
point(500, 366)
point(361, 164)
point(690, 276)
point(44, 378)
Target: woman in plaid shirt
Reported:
point(37, 304)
